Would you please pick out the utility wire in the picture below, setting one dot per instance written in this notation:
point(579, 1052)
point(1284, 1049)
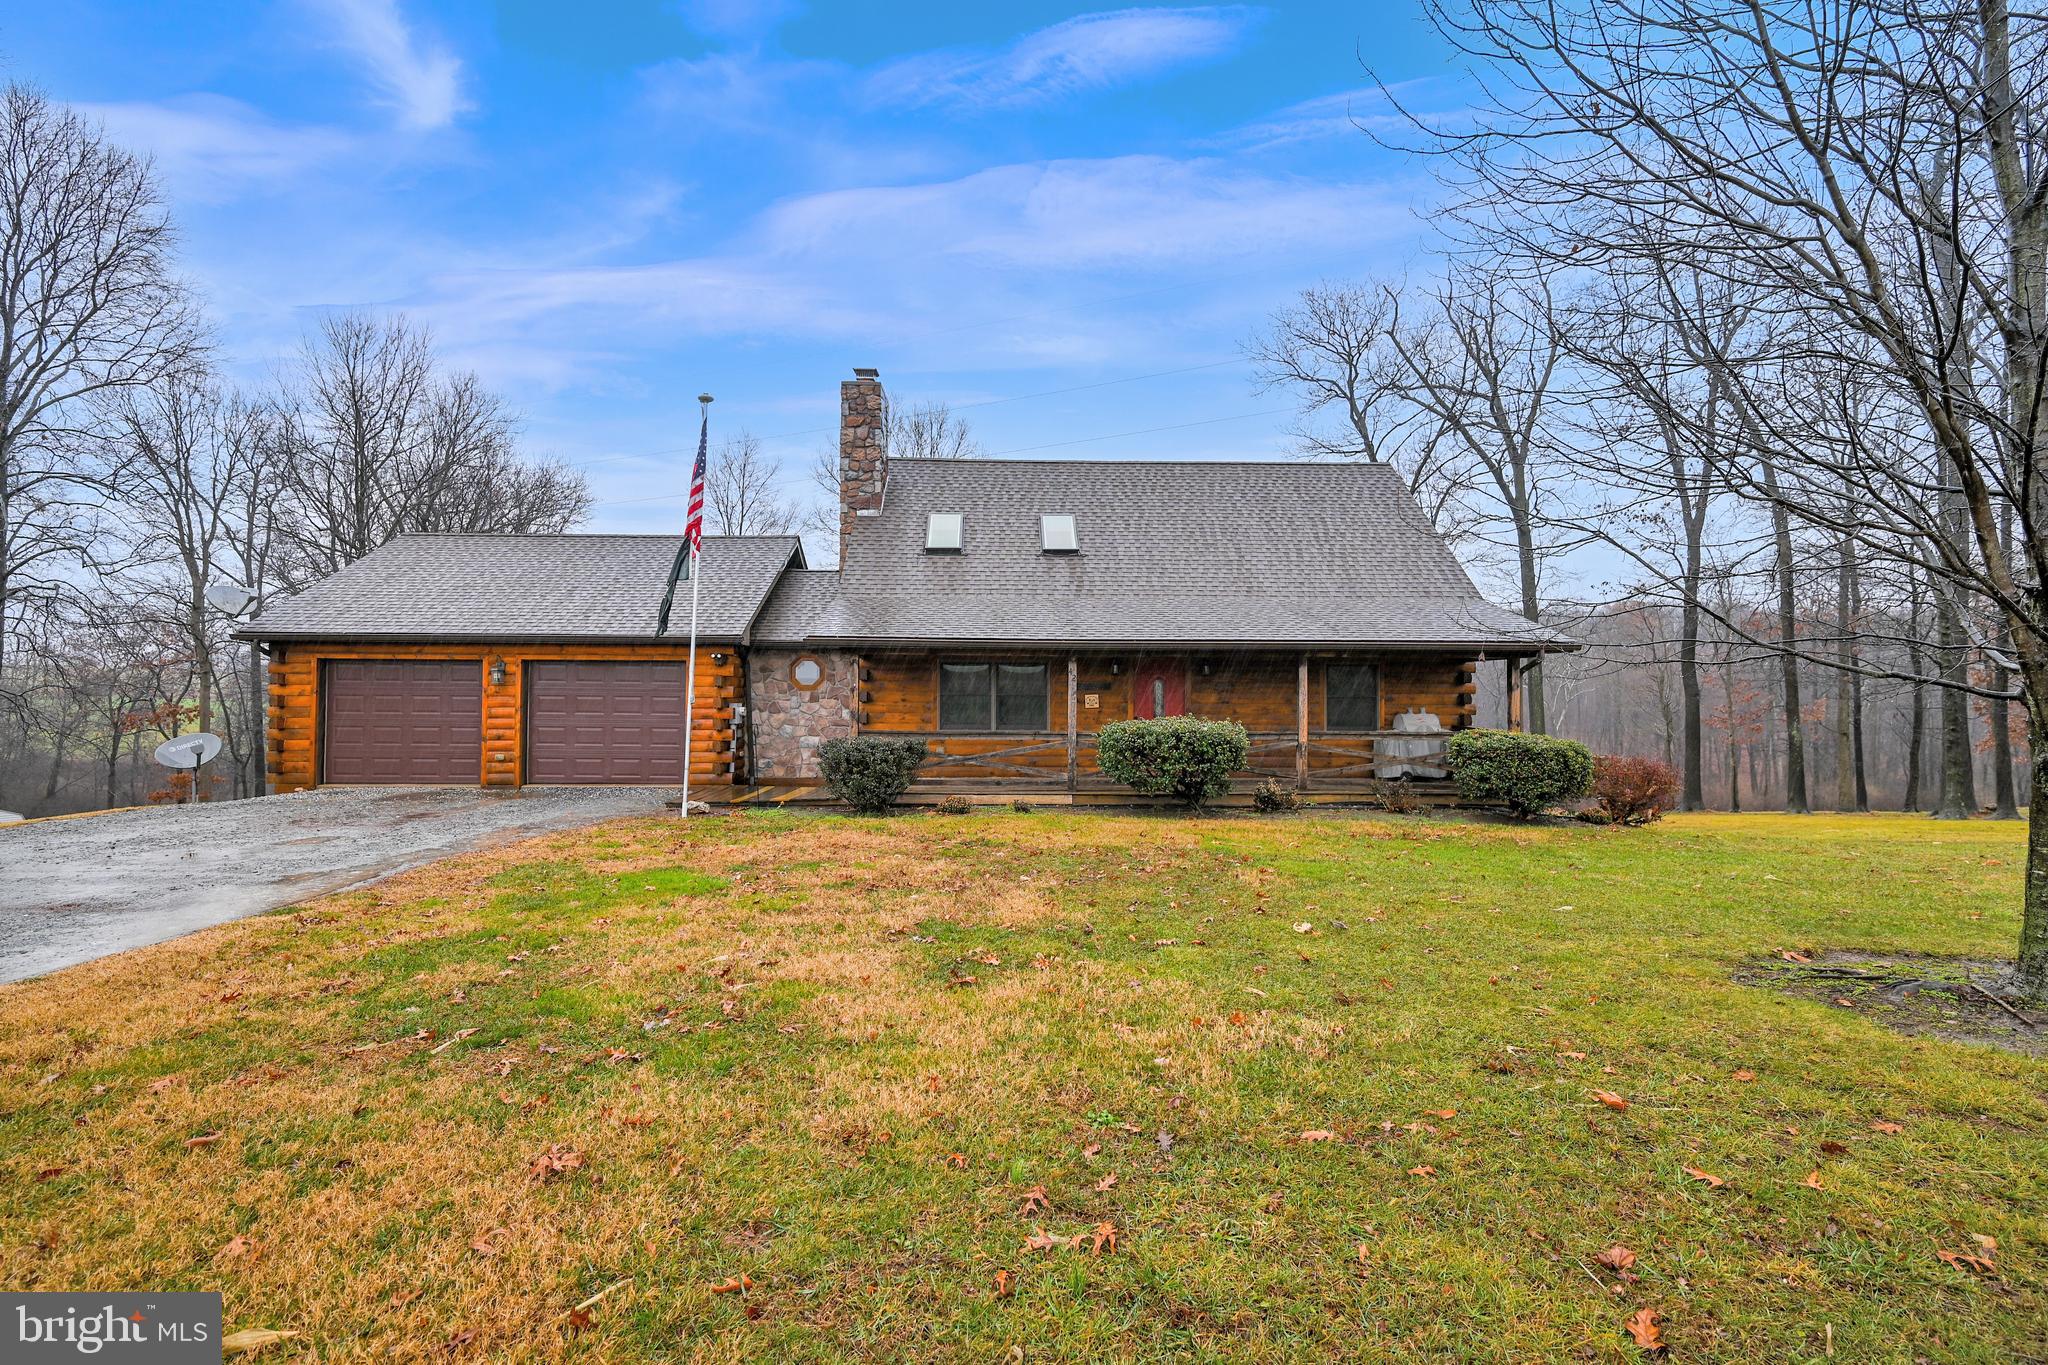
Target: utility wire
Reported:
point(1020, 450)
point(959, 407)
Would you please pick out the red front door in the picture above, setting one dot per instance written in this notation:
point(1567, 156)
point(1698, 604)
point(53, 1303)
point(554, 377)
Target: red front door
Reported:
point(1159, 687)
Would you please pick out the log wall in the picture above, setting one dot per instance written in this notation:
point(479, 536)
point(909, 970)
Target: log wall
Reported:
point(294, 730)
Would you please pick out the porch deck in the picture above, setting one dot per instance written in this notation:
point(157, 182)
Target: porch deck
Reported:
point(1404, 794)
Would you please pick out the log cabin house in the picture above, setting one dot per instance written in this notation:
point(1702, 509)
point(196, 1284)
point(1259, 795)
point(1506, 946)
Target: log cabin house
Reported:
point(1000, 610)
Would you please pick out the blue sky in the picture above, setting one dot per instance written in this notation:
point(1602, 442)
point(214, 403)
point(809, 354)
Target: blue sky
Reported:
point(607, 208)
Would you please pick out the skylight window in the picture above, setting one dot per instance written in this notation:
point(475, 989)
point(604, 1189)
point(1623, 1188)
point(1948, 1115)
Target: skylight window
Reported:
point(1056, 535)
point(942, 532)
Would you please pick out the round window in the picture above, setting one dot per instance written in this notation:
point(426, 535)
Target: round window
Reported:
point(807, 672)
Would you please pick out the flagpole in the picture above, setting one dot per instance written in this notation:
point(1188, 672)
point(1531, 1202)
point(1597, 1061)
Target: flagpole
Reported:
point(690, 707)
point(696, 584)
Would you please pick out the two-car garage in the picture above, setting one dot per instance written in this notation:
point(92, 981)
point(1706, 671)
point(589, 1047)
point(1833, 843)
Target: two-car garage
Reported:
point(581, 721)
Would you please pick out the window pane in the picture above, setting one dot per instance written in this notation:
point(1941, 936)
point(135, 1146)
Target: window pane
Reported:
point(1354, 697)
point(942, 533)
point(1020, 696)
point(963, 697)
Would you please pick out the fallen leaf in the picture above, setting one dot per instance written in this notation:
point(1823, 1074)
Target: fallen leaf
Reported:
point(1646, 1326)
point(1988, 1244)
point(1006, 1284)
point(1963, 1260)
point(1442, 1113)
point(737, 1284)
point(1616, 1257)
point(484, 1246)
point(1812, 1181)
point(1035, 1202)
point(1422, 1170)
point(1610, 1099)
point(51, 1172)
point(1104, 1239)
point(235, 1248)
point(1884, 1126)
point(1845, 1002)
point(554, 1160)
point(1041, 1240)
point(1574, 1056)
point(1791, 956)
point(957, 1160)
point(203, 1140)
point(1745, 1075)
point(254, 1339)
point(1092, 1149)
point(1712, 1182)
point(1106, 1184)
point(1318, 1135)
point(1833, 1148)
point(576, 1319)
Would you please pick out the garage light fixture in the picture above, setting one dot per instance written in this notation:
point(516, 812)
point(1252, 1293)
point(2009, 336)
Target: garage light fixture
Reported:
point(498, 672)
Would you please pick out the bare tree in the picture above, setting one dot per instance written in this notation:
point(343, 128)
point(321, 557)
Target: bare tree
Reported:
point(742, 488)
point(1334, 348)
point(374, 443)
point(931, 431)
point(1878, 176)
point(88, 307)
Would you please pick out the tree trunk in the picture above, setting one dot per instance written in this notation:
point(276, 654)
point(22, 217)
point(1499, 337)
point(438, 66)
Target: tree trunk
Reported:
point(1917, 741)
point(1958, 782)
point(1693, 796)
point(2033, 961)
point(1788, 661)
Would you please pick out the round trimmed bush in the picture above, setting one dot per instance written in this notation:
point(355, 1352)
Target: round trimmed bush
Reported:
point(868, 772)
point(1526, 773)
point(1181, 756)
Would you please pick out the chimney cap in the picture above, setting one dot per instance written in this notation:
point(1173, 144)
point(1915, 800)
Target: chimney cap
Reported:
point(865, 372)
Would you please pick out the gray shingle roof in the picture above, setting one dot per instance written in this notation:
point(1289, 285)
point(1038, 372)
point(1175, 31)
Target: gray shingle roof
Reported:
point(515, 588)
point(1176, 552)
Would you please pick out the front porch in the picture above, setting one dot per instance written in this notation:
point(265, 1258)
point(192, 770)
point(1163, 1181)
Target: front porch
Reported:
point(1406, 794)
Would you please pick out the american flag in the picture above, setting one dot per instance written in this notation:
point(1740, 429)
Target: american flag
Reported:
point(694, 530)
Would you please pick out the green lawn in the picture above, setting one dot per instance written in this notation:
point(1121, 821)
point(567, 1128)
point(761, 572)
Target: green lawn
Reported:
point(1332, 1082)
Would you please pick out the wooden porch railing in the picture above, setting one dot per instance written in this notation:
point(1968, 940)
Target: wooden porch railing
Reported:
point(1326, 759)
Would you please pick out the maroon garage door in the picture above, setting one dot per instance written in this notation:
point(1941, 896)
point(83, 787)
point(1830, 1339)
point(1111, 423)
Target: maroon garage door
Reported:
point(402, 720)
point(604, 722)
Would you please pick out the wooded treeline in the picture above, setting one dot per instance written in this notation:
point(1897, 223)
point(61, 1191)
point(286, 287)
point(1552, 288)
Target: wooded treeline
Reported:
point(1732, 369)
point(133, 477)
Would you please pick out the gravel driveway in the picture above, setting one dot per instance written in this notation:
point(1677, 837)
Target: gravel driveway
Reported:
point(74, 890)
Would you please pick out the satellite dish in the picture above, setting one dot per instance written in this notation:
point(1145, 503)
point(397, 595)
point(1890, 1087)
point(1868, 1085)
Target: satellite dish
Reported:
point(232, 598)
point(187, 751)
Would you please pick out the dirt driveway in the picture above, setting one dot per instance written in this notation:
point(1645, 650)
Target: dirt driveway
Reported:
point(74, 890)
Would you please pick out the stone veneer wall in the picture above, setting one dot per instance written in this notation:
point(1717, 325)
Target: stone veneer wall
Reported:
point(790, 723)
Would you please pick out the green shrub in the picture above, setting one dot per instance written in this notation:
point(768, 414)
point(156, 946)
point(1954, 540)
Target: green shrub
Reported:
point(869, 772)
point(1526, 773)
point(1179, 756)
point(1271, 797)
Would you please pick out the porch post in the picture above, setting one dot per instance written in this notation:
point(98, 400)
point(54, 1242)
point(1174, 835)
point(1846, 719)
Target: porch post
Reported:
point(1073, 723)
point(1301, 725)
point(1514, 668)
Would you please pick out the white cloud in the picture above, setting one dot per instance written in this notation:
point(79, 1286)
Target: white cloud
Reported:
point(210, 148)
point(1348, 113)
point(1077, 56)
point(415, 75)
point(1011, 264)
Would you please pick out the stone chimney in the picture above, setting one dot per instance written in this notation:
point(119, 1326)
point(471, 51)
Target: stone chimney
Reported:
point(863, 449)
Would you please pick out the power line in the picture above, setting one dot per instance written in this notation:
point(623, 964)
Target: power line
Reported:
point(1020, 450)
point(962, 407)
